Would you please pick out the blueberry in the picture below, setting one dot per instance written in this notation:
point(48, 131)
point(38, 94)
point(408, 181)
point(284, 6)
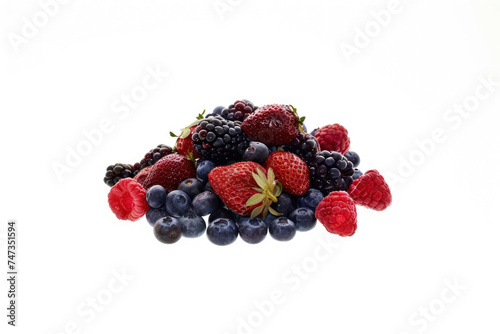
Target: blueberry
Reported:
point(168, 230)
point(270, 218)
point(285, 205)
point(353, 157)
point(204, 167)
point(357, 174)
point(303, 218)
point(222, 231)
point(178, 203)
point(310, 199)
point(257, 152)
point(282, 229)
point(208, 187)
point(314, 131)
point(218, 110)
point(156, 196)
point(252, 230)
point(192, 187)
point(206, 203)
point(154, 214)
point(222, 213)
point(193, 225)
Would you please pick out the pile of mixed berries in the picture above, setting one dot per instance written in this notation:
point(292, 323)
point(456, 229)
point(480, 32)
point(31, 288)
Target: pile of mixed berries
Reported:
point(247, 171)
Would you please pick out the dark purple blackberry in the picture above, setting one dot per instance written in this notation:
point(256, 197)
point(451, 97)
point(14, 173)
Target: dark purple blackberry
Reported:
point(153, 156)
point(220, 140)
point(330, 171)
point(238, 111)
point(305, 146)
point(116, 172)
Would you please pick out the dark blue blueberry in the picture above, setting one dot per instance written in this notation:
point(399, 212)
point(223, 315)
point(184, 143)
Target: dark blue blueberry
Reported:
point(156, 196)
point(269, 219)
point(208, 187)
point(222, 231)
point(310, 199)
point(192, 187)
point(285, 205)
point(168, 230)
point(314, 131)
point(178, 203)
point(218, 110)
point(282, 229)
point(357, 174)
point(206, 203)
point(257, 152)
point(154, 214)
point(193, 225)
point(252, 230)
point(222, 213)
point(353, 157)
point(303, 218)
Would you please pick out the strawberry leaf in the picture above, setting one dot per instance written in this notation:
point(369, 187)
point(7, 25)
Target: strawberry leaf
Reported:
point(173, 134)
point(255, 199)
point(261, 183)
point(274, 212)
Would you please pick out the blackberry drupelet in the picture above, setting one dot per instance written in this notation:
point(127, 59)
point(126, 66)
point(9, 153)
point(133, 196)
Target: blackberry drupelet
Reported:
point(305, 146)
point(238, 111)
point(330, 171)
point(220, 140)
point(153, 156)
point(116, 172)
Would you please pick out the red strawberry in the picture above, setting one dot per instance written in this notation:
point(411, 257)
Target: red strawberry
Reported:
point(371, 190)
point(273, 125)
point(333, 137)
point(184, 143)
point(170, 171)
point(337, 212)
point(127, 200)
point(245, 188)
point(290, 170)
point(142, 175)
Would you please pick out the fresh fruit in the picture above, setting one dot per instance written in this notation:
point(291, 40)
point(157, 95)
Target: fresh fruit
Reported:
point(303, 218)
point(330, 171)
point(333, 137)
point(153, 215)
point(282, 229)
point(184, 143)
point(127, 200)
point(222, 232)
point(191, 186)
point(357, 174)
point(304, 145)
point(156, 196)
point(177, 203)
point(273, 125)
point(245, 188)
point(193, 226)
point(222, 213)
point(256, 152)
point(116, 172)
point(168, 230)
point(204, 167)
point(252, 230)
point(270, 218)
point(285, 204)
point(353, 157)
point(206, 203)
point(170, 171)
point(217, 111)
point(337, 212)
point(153, 156)
point(220, 140)
point(371, 190)
point(238, 111)
point(290, 170)
point(142, 175)
point(310, 199)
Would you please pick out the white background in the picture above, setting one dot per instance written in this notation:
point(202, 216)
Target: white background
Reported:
point(442, 227)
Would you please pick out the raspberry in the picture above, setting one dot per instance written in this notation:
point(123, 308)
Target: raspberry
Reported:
point(333, 137)
point(371, 190)
point(127, 200)
point(337, 212)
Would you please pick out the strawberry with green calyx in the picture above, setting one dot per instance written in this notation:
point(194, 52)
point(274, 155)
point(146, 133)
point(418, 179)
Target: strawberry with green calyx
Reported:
point(291, 171)
point(184, 143)
point(245, 188)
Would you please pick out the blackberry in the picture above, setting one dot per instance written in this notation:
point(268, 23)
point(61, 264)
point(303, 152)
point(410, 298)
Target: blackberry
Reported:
point(330, 171)
point(153, 156)
point(116, 172)
point(238, 111)
point(305, 146)
point(220, 140)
